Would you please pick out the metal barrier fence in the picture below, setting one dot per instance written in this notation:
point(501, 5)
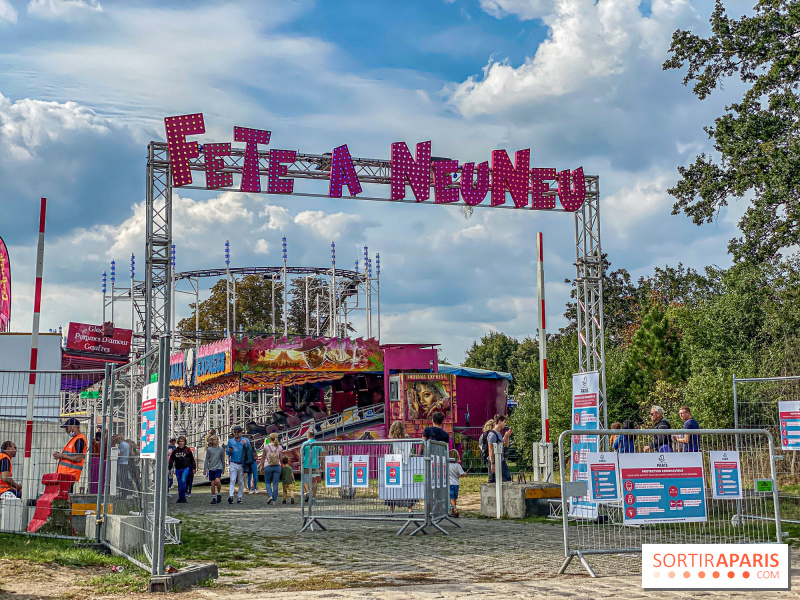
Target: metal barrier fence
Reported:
point(375, 480)
point(64, 505)
point(133, 518)
point(755, 406)
point(644, 508)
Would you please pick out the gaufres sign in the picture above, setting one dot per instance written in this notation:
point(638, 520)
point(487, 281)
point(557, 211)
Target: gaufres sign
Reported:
point(528, 187)
point(90, 338)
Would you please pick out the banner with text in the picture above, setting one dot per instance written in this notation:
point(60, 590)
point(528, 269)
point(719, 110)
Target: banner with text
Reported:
point(585, 415)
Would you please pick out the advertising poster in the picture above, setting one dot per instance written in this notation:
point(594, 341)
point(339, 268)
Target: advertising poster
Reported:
point(393, 470)
point(790, 424)
point(147, 440)
point(726, 475)
point(333, 471)
point(360, 466)
point(664, 487)
point(5, 288)
point(424, 394)
point(603, 477)
point(585, 415)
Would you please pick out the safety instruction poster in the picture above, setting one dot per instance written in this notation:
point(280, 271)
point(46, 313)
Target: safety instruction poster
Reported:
point(147, 440)
point(393, 470)
point(603, 470)
point(333, 471)
point(585, 413)
point(790, 424)
point(726, 475)
point(663, 487)
point(360, 466)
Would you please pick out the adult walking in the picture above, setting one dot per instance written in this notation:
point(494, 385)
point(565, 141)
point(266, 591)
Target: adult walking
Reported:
point(73, 455)
point(270, 464)
point(661, 443)
point(236, 451)
point(182, 459)
point(499, 435)
point(688, 443)
point(310, 454)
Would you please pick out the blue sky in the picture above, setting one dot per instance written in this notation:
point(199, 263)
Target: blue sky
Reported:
point(84, 84)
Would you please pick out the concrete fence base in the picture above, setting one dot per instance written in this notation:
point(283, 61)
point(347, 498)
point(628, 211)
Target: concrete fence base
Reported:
point(520, 500)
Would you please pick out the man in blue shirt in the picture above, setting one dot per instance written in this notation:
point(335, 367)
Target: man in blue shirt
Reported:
point(236, 451)
point(689, 443)
point(311, 455)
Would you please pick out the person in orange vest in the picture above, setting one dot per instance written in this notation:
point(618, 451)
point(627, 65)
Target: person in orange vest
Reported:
point(72, 457)
point(7, 484)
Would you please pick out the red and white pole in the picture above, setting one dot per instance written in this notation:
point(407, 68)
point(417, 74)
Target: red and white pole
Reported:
point(27, 489)
point(546, 449)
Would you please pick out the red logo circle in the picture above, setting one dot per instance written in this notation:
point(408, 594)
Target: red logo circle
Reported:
point(628, 486)
point(332, 473)
point(392, 472)
point(673, 491)
point(577, 418)
point(680, 503)
point(785, 442)
point(359, 472)
point(783, 423)
point(783, 433)
point(672, 504)
point(576, 458)
point(630, 499)
point(630, 512)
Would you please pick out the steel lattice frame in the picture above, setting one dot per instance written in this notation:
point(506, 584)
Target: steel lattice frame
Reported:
point(588, 256)
point(589, 289)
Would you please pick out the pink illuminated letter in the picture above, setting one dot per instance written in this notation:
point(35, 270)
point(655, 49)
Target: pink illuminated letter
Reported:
point(343, 173)
point(572, 196)
point(251, 181)
point(540, 187)
point(515, 177)
point(277, 170)
point(417, 172)
point(215, 178)
point(445, 190)
point(180, 151)
point(474, 195)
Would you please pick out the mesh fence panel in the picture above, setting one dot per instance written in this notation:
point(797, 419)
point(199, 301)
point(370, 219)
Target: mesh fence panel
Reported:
point(756, 407)
point(752, 519)
point(395, 480)
point(59, 508)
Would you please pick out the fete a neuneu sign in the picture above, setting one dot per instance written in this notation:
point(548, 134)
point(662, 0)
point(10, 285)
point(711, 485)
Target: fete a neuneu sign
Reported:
point(528, 187)
point(90, 338)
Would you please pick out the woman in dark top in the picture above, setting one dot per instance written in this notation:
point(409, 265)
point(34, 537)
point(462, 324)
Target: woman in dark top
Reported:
point(183, 461)
point(624, 443)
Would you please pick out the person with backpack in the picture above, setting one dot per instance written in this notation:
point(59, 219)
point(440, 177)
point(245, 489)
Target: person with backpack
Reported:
point(498, 436)
point(483, 444)
point(270, 464)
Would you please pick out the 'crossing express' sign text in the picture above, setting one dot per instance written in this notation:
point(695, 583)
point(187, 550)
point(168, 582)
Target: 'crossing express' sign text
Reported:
point(528, 187)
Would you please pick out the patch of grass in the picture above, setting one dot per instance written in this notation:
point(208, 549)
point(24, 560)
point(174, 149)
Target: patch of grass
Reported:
point(130, 580)
point(49, 550)
point(208, 582)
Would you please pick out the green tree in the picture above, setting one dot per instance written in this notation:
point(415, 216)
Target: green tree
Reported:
point(758, 138)
point(493, 352)
point(253, 307)
point(297, 304)
point(654, 356)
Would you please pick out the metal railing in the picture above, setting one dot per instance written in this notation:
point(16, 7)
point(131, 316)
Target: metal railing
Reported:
point(400, 480)
point(641, 513)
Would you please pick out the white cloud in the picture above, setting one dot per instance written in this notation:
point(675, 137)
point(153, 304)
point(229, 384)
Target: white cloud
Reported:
point(27, 124)
point(261, 247)
point(7, 12)
point(524, 9)
point(588, 41)
point(334, 226)
point(62, 9)
point(629, 208)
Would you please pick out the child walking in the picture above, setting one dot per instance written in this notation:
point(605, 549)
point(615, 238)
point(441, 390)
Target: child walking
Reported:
point(287, 479)
point(213, 468)
point(454, 473)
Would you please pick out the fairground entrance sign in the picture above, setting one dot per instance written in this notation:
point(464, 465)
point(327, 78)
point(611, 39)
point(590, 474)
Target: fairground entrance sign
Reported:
point(528, 187)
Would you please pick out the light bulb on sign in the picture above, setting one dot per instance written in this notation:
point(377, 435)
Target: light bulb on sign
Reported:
point(113, 271)
point(104, 282)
